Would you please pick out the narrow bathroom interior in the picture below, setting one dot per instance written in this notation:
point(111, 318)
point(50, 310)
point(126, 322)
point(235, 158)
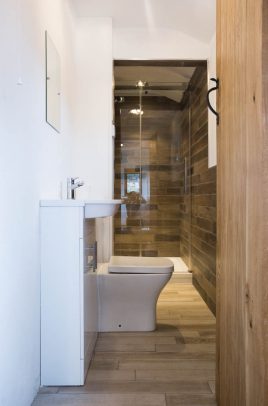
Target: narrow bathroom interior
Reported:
point(161, 168)
point(133, 244)
point(168, 196)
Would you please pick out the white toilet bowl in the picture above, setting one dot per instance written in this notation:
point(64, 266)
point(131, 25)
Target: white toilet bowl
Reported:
point(128, 291)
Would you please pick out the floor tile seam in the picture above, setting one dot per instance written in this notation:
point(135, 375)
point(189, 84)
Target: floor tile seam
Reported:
point(169, 335)
point(163, 359)
point(182, 381)
point(141, 393)
point(86, 394)
point(166, 399)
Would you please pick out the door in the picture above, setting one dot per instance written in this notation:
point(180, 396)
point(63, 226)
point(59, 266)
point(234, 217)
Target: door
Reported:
point(242, 269)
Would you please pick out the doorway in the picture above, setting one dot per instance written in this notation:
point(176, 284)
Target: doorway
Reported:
point(161, 167)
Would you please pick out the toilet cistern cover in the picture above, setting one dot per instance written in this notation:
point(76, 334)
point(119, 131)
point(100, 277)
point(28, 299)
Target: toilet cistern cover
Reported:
point(140, 265)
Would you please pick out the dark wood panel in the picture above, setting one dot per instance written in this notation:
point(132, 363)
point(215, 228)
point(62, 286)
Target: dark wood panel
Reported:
point(152, 226)
point(168, 63)
point(198, 230)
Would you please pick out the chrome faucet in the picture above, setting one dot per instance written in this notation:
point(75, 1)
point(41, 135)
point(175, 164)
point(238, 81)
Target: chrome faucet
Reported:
point(72, 185)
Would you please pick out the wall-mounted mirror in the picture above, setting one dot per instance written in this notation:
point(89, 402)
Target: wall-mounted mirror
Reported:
point(53, 93)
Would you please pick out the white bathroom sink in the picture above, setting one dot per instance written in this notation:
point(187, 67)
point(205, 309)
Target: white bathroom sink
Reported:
point(93, 208)
point(101, 208)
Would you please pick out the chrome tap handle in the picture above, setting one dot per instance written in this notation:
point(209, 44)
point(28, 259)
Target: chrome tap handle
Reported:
point(71, 186)
point(78, 184)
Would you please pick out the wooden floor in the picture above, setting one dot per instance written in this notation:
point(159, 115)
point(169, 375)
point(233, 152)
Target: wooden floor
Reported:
point(174, 365)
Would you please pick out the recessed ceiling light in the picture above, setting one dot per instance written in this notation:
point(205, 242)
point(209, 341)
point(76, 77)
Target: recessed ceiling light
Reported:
point(136, 112)
point(121, 145)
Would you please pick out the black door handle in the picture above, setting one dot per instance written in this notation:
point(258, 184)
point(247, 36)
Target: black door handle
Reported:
point(217, 82)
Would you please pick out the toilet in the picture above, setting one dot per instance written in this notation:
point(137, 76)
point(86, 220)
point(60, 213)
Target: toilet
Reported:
point(128, 291)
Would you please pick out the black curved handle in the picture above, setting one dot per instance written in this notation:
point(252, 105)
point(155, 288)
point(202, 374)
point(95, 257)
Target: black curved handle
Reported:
point(208, 101)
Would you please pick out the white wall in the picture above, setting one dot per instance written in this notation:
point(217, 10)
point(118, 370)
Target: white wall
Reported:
point(34, 159)
point(139, 43)
point(94, 87)
point(212, 124)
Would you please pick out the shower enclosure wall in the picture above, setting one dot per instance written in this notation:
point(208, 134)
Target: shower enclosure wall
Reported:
point(151, 176)
point(162, 174)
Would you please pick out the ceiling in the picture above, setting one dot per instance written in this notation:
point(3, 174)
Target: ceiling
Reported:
point(195, 18)
point(170, 82)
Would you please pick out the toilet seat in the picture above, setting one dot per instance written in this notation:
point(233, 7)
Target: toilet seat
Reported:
point(140, 265)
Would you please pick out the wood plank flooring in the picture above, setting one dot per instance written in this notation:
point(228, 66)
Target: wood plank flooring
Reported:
point(172, 366)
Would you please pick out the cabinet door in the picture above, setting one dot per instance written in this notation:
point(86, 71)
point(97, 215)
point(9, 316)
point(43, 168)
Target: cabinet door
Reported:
point(242, 188)
point(60, 296)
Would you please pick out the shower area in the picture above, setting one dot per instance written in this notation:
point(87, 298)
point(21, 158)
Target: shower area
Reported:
point(161, 166)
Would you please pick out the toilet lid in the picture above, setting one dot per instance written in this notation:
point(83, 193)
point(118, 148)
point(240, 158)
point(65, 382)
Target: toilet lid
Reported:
point(141, 265)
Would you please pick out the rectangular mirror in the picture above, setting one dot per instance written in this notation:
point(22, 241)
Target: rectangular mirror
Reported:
point(53, 92)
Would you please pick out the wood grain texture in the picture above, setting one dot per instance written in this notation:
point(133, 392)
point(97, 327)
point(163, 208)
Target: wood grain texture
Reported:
point(198, 208)
point(242, 278)
point(150, 226)
point(203, 185)
point(156, 62)
point(179, 371)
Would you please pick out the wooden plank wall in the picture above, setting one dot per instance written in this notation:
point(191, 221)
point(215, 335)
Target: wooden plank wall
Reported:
point(242, 269)
point(172, 221)
point(149, 227)
point(198, 210)
point(185, 204)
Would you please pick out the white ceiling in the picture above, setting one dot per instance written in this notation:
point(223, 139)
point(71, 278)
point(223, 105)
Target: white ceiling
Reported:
point(192, 17)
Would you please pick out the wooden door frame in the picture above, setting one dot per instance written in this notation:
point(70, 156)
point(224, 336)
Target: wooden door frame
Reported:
point(242, 203)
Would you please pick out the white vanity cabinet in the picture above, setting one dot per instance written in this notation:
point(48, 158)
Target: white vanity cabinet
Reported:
point(69, 313)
